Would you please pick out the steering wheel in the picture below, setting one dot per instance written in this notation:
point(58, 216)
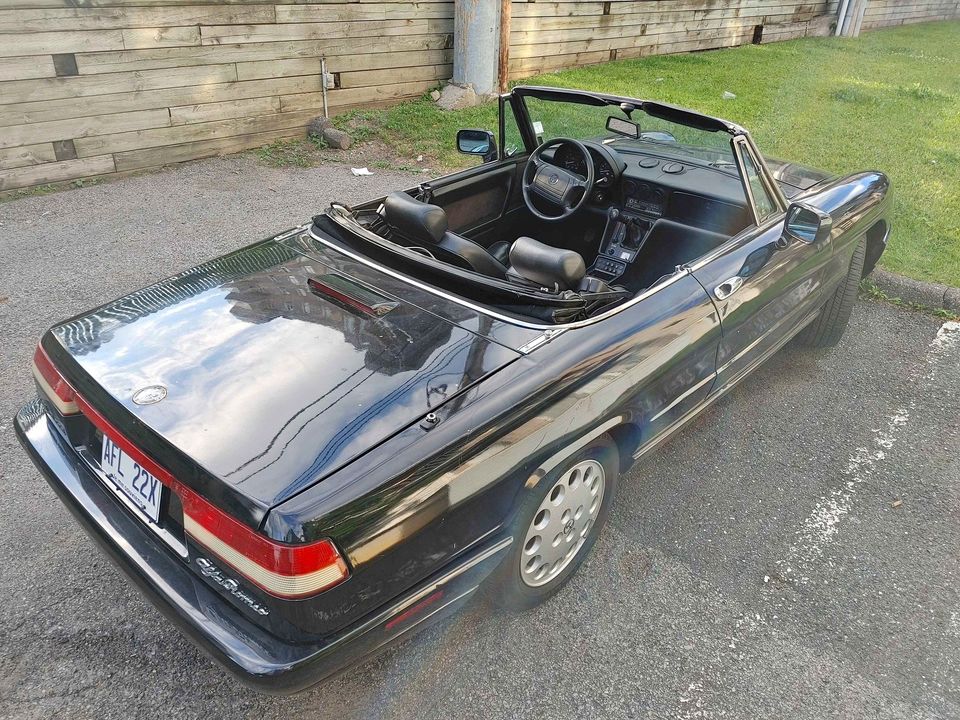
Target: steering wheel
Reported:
point(557, 186)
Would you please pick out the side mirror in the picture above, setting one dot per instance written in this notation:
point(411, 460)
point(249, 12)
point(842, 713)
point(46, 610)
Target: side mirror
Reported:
point(477, 142)
point(807, 224)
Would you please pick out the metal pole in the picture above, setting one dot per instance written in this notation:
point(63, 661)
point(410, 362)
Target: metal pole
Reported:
point(323, 85)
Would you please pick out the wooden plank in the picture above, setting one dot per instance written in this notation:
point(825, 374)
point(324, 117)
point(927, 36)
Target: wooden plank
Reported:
point(160, 37)
point(42, 111)
point(17, 91)
point(207, 112)
point(56, 172)
point(76, 128)
point(94, 18)
point(327, 12)
point(366, 78)
point(525, 67)
point(61, 42)
point(347, 63)
point(12, 4)
point(155, 157)
point(231, 34)
point(556, 9)
point(140, 139)
point(24, 68)
point(27, 155)
point(126, 60)
point(355, 96)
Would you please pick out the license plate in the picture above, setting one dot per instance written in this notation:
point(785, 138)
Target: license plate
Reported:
point(142, 488)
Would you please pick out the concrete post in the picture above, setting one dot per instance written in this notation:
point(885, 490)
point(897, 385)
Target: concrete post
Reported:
point(476, 41)
point(853, 18)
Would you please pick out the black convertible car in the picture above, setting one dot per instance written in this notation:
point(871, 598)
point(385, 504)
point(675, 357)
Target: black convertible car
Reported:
point(315, 444)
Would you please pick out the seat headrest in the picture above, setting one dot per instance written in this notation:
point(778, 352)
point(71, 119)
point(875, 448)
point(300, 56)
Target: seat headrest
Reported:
point(417, 220)
point(546, 265)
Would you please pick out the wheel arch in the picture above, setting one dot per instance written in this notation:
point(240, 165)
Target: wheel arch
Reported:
point(877, 236)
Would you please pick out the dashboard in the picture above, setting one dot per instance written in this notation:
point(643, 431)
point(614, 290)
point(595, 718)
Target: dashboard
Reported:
point(640, 191)
point(654, 187)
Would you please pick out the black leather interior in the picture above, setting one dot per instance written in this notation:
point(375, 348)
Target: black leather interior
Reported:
point(670, 244)
point(427, 224)
point(417, 220)
point(545, 265)
point(474, 255)
point(500, 251)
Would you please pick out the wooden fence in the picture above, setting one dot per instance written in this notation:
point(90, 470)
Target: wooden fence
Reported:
point(93, 87)
point(90, 87)
point(547, 36)
point(883, 13)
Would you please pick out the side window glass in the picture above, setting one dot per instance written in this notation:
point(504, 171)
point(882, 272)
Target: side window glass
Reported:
point(761, 198)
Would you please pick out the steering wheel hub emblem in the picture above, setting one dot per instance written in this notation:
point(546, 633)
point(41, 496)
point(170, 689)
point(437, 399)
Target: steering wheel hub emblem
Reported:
point(553, 179)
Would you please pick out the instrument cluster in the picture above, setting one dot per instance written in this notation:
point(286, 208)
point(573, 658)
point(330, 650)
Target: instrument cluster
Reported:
point(569, 158)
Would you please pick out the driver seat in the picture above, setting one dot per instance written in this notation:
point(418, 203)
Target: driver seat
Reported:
point(427, 224)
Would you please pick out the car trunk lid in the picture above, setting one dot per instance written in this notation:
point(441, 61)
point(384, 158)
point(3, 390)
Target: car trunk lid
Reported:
point(276, 368)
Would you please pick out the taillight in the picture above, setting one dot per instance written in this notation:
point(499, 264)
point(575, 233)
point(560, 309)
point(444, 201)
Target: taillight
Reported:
point(288, 571)
point(281, 569)
point(57, 390)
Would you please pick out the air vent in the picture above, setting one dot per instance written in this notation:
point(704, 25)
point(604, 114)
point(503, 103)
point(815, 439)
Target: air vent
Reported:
point(649, 162)
point(673, 168)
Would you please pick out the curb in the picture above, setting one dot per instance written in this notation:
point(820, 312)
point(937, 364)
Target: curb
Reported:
point(932, 295)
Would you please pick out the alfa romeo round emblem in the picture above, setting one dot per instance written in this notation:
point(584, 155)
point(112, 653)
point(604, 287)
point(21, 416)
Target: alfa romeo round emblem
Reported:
point(150, 394)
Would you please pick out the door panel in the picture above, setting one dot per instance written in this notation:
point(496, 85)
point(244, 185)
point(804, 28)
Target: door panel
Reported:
point(477, 199)
point(763, 289)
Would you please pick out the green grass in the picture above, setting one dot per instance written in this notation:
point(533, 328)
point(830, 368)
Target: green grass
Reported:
point(889, 100)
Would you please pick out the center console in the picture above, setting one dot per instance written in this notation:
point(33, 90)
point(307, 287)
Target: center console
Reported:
point(627, 228)
point(623, 237)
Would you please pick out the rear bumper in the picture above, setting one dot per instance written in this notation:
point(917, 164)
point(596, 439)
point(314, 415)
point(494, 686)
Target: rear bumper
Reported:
point(255, 656)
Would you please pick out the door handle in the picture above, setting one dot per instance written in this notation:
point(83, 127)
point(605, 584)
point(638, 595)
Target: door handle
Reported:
point(728, 287)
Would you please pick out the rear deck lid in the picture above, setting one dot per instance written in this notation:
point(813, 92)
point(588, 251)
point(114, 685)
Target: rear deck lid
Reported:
point(277, 368)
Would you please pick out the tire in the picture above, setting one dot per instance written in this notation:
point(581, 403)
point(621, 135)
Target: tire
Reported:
point(827, 328)
point(521, 581)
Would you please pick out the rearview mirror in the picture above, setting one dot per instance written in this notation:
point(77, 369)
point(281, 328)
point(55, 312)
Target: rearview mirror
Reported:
point(627, 128)
point(807, 224)
point(477, 142)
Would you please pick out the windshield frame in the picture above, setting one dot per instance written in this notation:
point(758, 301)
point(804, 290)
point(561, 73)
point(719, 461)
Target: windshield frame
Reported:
point(664, 111)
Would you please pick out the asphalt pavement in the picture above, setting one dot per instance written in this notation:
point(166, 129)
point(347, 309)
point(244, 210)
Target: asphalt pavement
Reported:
point(792, 553)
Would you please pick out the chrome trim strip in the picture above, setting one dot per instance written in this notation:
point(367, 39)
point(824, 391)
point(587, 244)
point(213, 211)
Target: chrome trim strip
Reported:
point(765, 175)
point(744, 181)
point(480, 308)
point(538, 341)
point(684, 395)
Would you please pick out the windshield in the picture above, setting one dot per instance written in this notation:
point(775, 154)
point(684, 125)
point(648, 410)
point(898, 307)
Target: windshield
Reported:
point(564, 118)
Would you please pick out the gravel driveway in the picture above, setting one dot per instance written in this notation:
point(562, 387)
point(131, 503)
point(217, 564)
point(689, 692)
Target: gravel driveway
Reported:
point(791, 554)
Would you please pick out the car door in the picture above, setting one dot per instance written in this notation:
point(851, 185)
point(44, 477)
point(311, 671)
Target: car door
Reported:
point(484, 202)
point(763, 284)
